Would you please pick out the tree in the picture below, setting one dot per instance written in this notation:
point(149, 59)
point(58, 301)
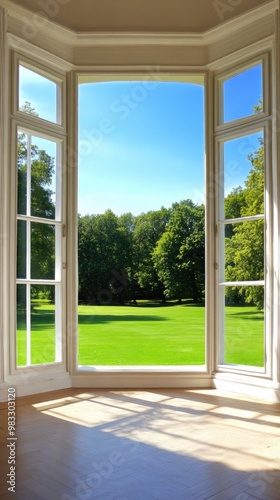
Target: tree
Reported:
point(234, 204)
point(104, 253)
point(149, 228)
point(179, 254)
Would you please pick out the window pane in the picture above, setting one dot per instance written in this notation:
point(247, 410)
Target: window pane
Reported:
point(38, 95)
point(244, 326)
point(244, 251)
point(37, 172)
point(42, 251)
point(43, 178)
point(141, 251)
point(21, 249)
point(244, 176)
point(42, 324)
point(21, 325)
point(243, 94)
point(22, 172)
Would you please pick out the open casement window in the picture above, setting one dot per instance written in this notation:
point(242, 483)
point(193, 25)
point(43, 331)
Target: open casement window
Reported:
point(242, 213)
point(40, 200)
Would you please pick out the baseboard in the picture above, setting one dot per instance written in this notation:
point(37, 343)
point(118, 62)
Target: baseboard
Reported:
point(248, 386)
point(141, 380)
point(35, 387)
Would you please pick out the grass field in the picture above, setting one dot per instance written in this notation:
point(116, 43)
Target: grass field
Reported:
point(145, 335)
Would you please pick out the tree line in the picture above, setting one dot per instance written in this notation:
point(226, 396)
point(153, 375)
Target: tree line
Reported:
point(158, 254)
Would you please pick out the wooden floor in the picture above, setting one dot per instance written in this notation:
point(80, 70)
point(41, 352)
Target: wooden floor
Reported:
point(143, 445)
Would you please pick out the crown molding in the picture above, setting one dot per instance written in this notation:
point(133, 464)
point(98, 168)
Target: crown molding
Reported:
point(227, 28)
point(238, 55)
point(37, 23)
point(26, 48)
point(43, 26)
point(133, 38)
point(179, 39)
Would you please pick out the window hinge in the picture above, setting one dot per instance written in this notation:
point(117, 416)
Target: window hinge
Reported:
point(64, 230)
point(64, 265)
point(216, 228)
point(216, 265)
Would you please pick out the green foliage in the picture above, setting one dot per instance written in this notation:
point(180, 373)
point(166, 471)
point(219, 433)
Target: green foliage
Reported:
point(245, 241)
point(234, 204)
point(179, 254)
point(123, 258)
point(149, 228)
point(104, 250)
point(41, 205)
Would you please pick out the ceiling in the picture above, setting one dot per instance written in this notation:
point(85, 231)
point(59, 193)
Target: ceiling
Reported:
point(191, 16)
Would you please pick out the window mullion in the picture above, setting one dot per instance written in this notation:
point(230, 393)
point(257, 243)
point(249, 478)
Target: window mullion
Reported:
point(28, 251)
point(28, 176)
point(58, 323)
point(28, 324)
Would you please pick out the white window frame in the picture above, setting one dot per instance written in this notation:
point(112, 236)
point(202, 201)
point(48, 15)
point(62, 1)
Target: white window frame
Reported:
point(193, 371)
point(235, 69)
point(39, 127)
point(51, 75)
point(224, 132)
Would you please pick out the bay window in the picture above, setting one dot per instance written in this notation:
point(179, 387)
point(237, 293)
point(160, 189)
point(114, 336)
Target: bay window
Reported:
point(243, 251)
point(41, 79)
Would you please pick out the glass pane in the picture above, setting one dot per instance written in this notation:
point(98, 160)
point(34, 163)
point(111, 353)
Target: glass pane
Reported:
point(42, 251)
point(243, 94)
point(43, 178)
point(22, 172)
point(244, 176)
point(244, 251)
point(141, 250)
point(244, 326)
point(42, 324)
point(21, 326)
point(21, 249)
point(38, 95)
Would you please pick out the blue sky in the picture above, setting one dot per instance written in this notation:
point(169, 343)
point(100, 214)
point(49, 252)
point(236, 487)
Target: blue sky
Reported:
point(39, 91)
point(140, 155)
point(141, 145)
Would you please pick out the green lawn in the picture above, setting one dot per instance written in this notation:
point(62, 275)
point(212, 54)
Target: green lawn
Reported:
point(145, 335)
point(244, 336)
point(42, 335)
point(137, 335)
